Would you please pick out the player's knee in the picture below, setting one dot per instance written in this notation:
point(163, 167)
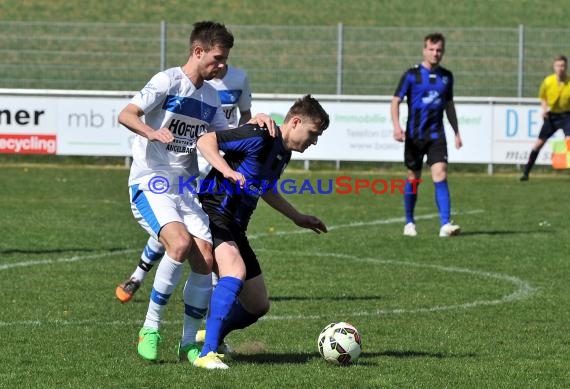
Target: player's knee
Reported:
point(179, 246)
point(201, 261)
point(263, 308)
point(258, 308)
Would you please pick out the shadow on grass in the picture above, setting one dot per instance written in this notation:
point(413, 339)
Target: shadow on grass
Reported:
point(504, 232)
point(293, 358)
point(275, 358)
point(58, 251)
point(418, 354)
point(334, 298)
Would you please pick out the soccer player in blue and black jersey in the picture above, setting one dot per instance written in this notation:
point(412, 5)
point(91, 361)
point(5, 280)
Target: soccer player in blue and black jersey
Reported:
point(428, 89)
point(252, 163)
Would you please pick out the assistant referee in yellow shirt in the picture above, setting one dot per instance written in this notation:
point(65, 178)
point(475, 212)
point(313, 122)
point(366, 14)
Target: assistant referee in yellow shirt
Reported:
point(554, 97)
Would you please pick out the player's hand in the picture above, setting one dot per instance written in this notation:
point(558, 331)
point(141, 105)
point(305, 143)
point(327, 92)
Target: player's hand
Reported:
point(162, 135)
point(264, 120)
point(235, 177)
point(458, 142)
point(312, 222)
point(399, 134)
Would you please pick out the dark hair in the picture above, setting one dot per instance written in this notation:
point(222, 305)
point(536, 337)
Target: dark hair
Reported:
point(434, 38)
point(561, 58)
point(209, 34)
point(309, 107)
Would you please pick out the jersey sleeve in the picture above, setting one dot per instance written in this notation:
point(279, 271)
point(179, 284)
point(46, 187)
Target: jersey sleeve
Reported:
point(449, 94)
point(244, 103)
point(153, 93)
point(246, 139)
point(403, 86)
point(542, 91)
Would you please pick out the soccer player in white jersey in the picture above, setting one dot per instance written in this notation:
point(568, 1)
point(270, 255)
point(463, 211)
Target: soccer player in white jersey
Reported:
point(233, 88)
point(177, 106)
point(232, 85)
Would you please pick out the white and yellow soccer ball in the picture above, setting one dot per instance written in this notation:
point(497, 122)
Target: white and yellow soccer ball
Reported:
point(340, 343)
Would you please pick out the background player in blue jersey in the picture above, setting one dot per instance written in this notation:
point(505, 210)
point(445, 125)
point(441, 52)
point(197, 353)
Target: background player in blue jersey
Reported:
point(232, 85)
point(177, 106)
point(252, 164)
point(428, 89)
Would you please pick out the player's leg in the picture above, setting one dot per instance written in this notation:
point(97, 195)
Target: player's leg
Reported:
point(253, 304)
point(168, 273)
point(413, 159)
point(546, 131)
point(158, 215)
point(232, 272)
point(151, 254)
point(198, 286)
point(253, 300)
point(197, 293)
point(437, 161)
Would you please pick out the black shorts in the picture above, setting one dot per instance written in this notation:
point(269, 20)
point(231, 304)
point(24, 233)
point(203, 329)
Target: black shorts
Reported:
point(414, 151)
point(554, 122)
point(224, 231)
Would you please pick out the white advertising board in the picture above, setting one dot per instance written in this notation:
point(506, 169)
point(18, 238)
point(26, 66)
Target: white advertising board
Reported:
point(73, 123)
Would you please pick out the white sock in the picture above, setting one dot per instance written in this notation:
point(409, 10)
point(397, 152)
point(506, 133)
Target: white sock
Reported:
point(197, 292)
point(167, 276)
point(152, 253)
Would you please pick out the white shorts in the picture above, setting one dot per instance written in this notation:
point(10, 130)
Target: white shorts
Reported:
point(154, 210)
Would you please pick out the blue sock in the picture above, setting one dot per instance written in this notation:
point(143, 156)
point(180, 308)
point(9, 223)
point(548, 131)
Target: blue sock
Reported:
point(443, 201)
point(223, 298)
point(410, 199)
point(239, 318)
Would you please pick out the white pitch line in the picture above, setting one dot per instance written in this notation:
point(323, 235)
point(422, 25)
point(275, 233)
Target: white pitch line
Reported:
point(254, 236)
point(64, 260)
point(362, 224)
point(524, 289)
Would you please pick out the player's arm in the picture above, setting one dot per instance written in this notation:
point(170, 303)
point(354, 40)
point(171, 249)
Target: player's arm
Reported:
point(278, 202)
point(543, 96)
point(544, 108)
point(244, 117)
point(208, 146)
point(452, 118)
point(399, 134)
point(244, 102)
point(130, 117)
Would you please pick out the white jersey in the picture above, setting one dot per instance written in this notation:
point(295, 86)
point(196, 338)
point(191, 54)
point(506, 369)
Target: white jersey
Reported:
point(171, 100)
point(234, 92)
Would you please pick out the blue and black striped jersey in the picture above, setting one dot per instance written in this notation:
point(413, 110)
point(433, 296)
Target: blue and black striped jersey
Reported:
point(427, 93)
point(250, 150)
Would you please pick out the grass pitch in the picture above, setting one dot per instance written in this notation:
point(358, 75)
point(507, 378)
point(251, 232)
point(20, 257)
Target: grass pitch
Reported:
point(486, 309)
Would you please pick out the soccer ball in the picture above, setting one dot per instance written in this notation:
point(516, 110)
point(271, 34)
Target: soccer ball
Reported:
point(340, 343)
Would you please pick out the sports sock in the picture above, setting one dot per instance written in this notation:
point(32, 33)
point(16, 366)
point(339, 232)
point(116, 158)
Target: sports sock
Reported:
point(153, 252)
point(223, 298)
point(167, 276)
point(197, 292)
point(443, 201)
point(531, 160)
point(410, 199)
point(239, 318)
